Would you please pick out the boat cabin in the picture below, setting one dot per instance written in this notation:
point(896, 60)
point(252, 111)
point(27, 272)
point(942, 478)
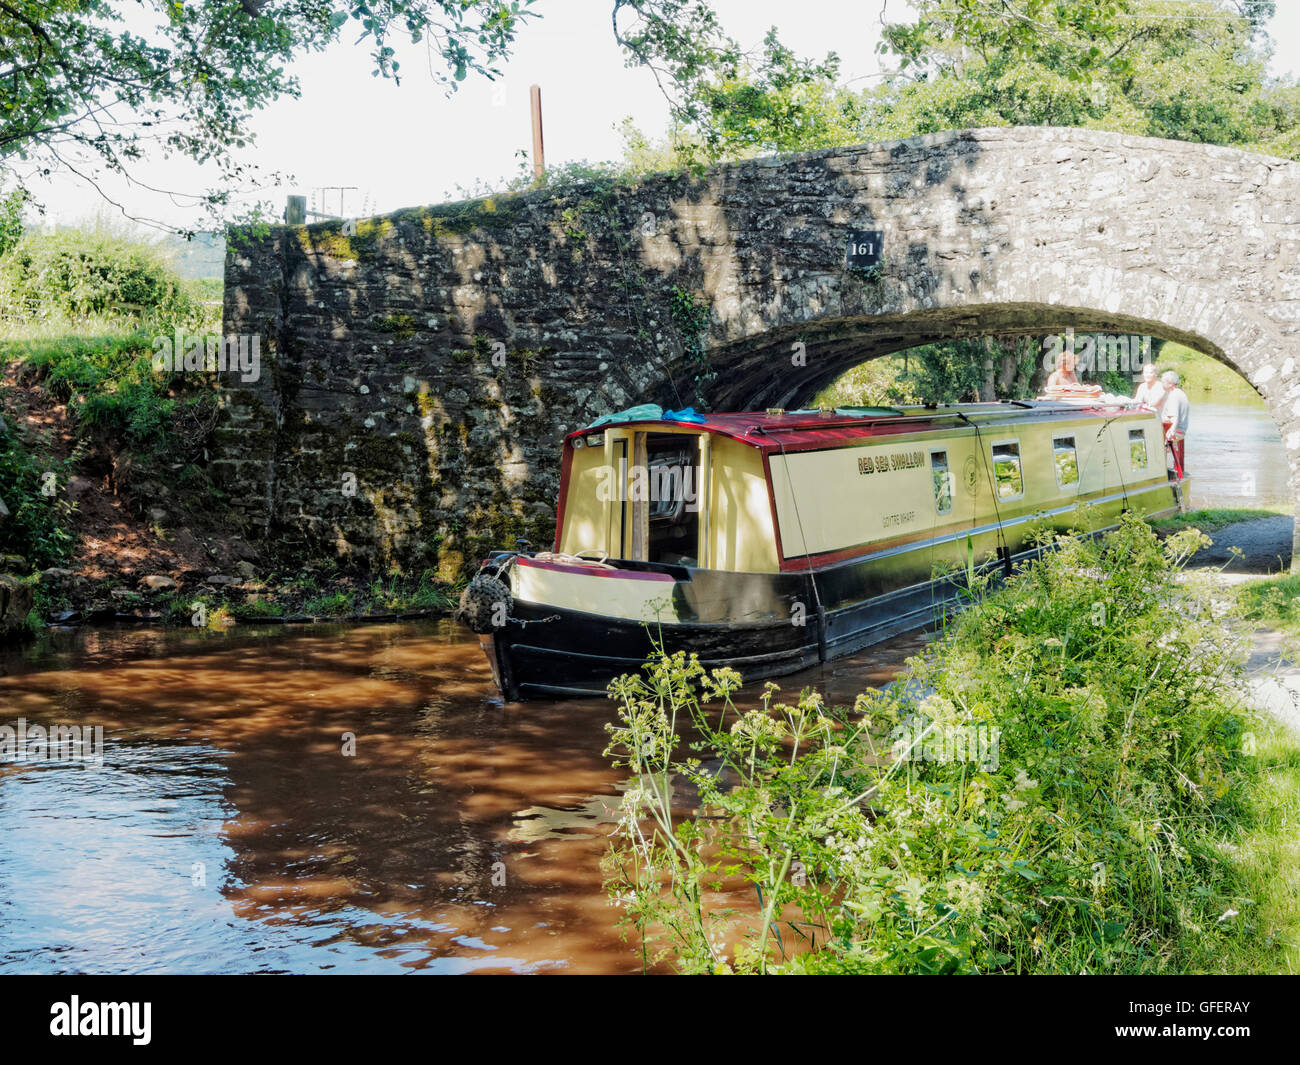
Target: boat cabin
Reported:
point(778, 491)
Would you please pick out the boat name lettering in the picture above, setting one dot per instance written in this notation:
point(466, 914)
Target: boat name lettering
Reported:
point(900, 460)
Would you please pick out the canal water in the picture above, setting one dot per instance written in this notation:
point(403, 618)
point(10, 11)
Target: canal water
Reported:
point(1235, 456)
point(226, 831)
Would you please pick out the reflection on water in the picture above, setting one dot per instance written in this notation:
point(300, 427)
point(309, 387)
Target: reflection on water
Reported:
point(1235, 457)
point(226, 830)
point(547, 822)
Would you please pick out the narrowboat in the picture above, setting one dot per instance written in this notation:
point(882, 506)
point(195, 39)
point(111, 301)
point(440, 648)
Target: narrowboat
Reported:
point(773, 541)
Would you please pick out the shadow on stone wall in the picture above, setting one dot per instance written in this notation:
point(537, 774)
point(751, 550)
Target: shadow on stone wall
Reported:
point(422, 368)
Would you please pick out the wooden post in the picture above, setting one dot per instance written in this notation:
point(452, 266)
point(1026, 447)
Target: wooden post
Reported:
point(539, 152)
point(295, 211)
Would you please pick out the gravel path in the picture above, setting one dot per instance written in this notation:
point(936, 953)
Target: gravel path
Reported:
point(1273, 680)
point(1265, 544)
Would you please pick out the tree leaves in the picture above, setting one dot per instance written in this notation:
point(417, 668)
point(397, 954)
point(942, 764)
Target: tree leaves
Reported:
point(79, 91)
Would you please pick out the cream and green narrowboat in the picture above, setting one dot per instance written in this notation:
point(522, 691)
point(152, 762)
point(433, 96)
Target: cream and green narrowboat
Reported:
point(772, 541)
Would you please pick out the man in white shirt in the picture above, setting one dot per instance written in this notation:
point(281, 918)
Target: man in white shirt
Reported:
point(1151, 392)
point(1175, 412)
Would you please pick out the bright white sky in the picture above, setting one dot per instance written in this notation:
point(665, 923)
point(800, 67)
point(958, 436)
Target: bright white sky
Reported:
point(412, 145)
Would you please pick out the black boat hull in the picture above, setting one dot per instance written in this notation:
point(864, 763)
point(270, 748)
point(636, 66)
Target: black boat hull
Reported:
point(550, 652)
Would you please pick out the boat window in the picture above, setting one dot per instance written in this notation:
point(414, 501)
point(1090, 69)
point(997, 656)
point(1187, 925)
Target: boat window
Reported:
point(1137, 448)
point(1066, 457)
point(942, 481)
point(1006, 469)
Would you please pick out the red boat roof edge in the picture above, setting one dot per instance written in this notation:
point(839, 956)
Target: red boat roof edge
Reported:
point(756, 427)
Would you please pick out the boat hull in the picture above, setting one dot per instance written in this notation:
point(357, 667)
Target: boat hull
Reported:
point(550, 652)
point(547, 650)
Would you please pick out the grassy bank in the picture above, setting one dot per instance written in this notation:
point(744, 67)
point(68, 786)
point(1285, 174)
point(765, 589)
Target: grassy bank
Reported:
point(79, 311)
point(1206, 379)
point(1211, 519)
point(1067, 782)
point(1273, 601)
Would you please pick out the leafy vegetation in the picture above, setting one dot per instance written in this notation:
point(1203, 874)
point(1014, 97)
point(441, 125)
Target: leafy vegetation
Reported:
point(957, 371)
point(87, 305)
point(186, 78)
point(74, 275)
point(1190, 71)
point(1193, 71)
point(114, 395)
point(1063, 783)
point(35, 526)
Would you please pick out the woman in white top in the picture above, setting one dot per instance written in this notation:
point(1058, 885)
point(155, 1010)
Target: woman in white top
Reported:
point(1151, 392)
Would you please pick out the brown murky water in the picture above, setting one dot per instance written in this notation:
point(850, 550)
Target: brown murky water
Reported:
point(226, 831)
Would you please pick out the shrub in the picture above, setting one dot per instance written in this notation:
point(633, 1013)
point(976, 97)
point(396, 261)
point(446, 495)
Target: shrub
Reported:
point(114, 395)
point(80, 274)
point(1090, 835)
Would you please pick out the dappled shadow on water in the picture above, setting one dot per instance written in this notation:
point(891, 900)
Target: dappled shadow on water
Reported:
point(359, 799)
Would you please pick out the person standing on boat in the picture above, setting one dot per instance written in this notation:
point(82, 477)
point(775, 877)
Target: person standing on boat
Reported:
point(1175, 410)
point(1151, 392)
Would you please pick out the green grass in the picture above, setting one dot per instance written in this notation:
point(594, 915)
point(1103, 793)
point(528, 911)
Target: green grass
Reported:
point(1273, 600)
point(112, 391)
point(331, 604)
point(1266, 858)
point(1211, 519)
point(256, 610)
point(205, 289)
point(425, 594)
point(1205, 378)
point(93, 273)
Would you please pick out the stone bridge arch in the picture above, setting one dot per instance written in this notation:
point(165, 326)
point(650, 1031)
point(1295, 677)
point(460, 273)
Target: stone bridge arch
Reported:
point(439, 354)
point(1048, 298)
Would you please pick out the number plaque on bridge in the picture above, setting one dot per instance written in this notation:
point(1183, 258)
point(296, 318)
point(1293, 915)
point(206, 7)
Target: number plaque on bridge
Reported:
point(864, 249)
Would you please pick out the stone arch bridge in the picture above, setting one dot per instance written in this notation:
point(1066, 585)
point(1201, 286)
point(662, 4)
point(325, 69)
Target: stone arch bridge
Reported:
point(419, 369)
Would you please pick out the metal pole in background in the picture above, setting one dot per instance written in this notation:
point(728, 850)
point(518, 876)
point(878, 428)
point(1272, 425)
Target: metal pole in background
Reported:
point(539, 152)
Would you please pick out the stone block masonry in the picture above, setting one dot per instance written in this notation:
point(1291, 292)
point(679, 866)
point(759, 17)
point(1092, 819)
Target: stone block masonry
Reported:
point(420, 369)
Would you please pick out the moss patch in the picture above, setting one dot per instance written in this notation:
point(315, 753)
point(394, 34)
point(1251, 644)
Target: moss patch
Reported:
point(493, 214)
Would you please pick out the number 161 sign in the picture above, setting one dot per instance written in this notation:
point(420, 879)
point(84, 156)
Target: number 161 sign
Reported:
point(864, 248)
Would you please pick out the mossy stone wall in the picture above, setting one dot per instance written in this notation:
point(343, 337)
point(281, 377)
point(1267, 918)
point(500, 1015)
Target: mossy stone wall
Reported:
point(420, 369)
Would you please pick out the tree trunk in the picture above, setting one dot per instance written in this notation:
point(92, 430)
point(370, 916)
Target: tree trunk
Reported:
point(988, 389)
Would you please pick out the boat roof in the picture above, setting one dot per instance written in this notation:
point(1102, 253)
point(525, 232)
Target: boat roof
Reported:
point(803, 429)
